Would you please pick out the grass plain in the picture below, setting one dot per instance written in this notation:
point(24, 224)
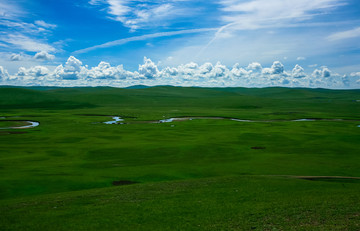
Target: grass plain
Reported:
point(188, 175)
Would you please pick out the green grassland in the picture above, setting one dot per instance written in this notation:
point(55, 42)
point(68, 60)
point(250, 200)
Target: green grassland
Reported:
point(200, 174)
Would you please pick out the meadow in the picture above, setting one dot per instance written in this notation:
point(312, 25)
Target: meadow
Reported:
point(73, 172)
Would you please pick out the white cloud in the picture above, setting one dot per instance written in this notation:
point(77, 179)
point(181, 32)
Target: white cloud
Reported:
point(326, 72)
point(9, 10)
point(355, 74)
point(73, 64)
point(148, 69)
point(322, 73)
point(141, 38)
point(44, 24)
point(143, 16)
point(12, 61)
point(345, 34)
point(4, 75)
point(15, 25)
point(37, 75)
point(103, 71)
point(238, 71)
point(106, 72)
point(96, 2)
point(18, 34)
point(74, 73)
point(23, 27)
point(140, 14)
point(28, 44)
point(277, 68)
point(261, 14)
point(255, 66)
point(37, 71)
point(205, 68)
point(43, 55)
point(300, 58)
point(219, 70)
point(16, 57)
point(256, 14)
point(298, 72)
point(72, 70)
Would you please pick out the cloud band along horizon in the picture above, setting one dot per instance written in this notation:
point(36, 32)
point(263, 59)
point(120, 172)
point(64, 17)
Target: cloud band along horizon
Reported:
point(74, 73)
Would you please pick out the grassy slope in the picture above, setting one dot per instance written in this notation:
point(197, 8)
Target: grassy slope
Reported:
point(222, 203)
point(68, 153)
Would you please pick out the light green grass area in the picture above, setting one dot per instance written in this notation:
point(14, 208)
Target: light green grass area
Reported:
point(201, 174)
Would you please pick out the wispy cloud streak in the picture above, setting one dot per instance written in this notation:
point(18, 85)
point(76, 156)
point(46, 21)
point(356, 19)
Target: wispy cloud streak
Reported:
point(258, 14)
point(345, 34)
point(143, 37)
point(140, 14)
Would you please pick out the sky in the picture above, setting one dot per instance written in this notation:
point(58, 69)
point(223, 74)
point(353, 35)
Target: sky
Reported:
point(224, 43)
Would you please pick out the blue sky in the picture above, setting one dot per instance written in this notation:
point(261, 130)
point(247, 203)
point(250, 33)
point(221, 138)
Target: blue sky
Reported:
point(37, 37)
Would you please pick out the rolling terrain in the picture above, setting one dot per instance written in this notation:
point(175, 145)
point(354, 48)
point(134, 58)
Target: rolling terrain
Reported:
point(73, 172)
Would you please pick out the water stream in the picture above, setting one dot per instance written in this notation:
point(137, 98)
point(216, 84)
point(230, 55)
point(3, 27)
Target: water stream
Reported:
point(115, 120)
point(31, 124)
point(170, 120)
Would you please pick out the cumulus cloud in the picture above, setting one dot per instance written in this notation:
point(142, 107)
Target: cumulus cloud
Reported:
point(219, 70)
point(103, 71)
point(33, 76)
point(300, 58)
point(43, 55)
point(73, 64)
point(206, 68)
point(106, 72)
point(355, 74)
point(4, 75)
point(298, 72)
point(255, 66)
point(72, 70)
point(37, 71)
point(277, 68)
point(75, 73)
point(238, 71)
point(324, 73)
point(148, 69)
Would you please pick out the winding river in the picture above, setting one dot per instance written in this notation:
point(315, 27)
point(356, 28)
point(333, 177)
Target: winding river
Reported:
point(170, 120)
point(30, 124)
point(119, 120)
point(115, 120)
